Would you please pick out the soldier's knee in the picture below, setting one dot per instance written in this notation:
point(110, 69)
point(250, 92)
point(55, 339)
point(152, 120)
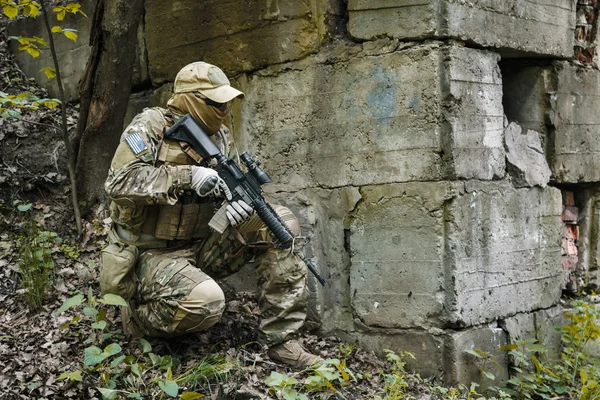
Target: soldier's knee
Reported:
point(289, 218)
point(204, 306)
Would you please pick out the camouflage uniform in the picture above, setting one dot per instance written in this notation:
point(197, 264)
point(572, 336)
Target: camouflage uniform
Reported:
point(179, 255)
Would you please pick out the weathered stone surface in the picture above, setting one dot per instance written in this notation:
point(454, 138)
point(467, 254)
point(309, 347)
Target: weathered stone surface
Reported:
point(72, 56)
point(535, 27)
point(355, 117)
point(462, 367)
point(397, 255)
point(538, 325)
point(527, 163)
point(575, 101)
point(226, 34)
point(427, 347)
point(503, 252)
point(473, 114)
point(443, 254)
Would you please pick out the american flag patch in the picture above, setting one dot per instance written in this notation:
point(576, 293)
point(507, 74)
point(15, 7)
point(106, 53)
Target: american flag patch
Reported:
point(136, 143)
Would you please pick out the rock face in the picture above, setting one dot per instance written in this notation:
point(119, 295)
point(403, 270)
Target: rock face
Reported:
point(382, 123)
point(537, 27)
point(239, 38)
point(525, 157)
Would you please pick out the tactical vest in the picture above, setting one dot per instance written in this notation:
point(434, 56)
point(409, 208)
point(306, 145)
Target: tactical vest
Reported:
point(189, 217)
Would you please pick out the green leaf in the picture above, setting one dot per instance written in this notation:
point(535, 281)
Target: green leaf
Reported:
point(489, 375)
point(99, 325)
point(508, 347)
point(90, 312)
point(155, 359)
point(108, 394)
point(75, 376)
point(112, 349)
point(10, 11)
point(115, 363)
point(136, 370)
point(146, 346)
point(277, 379)
point(169, 387)
point(93, 355)
point(113, 299)
point(50, 72)
point(134, 396)
point(24, 207)
point(191, 396)
point(474, 353)
point(71, 34)
point(72, 302)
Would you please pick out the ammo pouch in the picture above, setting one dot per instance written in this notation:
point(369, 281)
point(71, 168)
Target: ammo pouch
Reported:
point(184, 221)
point(117, 273)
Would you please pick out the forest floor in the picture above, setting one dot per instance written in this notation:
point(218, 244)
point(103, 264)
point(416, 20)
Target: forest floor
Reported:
point(43, 355)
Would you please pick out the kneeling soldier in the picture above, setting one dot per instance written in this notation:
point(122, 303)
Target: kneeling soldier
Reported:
point(163, 257)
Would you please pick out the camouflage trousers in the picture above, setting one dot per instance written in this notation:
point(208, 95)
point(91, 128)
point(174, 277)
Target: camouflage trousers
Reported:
point(177, 293)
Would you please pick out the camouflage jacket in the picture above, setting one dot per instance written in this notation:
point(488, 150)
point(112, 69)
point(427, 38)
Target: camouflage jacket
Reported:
point(147, 173)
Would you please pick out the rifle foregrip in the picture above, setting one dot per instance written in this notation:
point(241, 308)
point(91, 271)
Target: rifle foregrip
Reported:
point(281, 234)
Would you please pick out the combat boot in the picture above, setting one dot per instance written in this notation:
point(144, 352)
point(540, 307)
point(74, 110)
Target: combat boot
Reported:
point(292, 353)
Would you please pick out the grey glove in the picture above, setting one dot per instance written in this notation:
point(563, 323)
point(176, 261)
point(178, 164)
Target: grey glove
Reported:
point(206, 182)
point(238, 211)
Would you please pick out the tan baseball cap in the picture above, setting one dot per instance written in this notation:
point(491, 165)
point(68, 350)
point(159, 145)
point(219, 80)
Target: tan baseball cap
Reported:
point(207, 79)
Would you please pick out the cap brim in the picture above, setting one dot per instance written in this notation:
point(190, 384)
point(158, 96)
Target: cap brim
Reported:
point(222, 94)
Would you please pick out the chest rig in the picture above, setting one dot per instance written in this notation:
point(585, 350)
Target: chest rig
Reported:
point(189, 217)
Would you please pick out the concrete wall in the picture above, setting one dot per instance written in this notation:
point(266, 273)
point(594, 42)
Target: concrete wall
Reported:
point(537, 28)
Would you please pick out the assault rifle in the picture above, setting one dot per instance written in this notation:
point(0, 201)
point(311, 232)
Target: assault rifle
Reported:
point(243, 186)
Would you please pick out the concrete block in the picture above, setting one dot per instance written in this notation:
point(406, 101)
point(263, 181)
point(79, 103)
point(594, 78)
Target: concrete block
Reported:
point(461, 367)
point(574, 104)
point(426, 346)
point(358, 119)
point(237, 38)
point(503, 252)
point(396, 245)
point(474, 114)
point(516, 26)
point(538, 325)
point(527, 163)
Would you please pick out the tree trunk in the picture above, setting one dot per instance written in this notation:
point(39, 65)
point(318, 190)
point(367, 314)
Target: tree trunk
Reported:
point(104, 91)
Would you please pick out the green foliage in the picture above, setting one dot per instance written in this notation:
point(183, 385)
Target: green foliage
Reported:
point(323, 381)
point(12, 105)
point(575, 376)
point(395, 382)
point(36, 265)
point(142, 374)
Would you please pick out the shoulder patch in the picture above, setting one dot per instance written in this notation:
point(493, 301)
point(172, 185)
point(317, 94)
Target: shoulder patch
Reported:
point(138, 146)
point(136, 143)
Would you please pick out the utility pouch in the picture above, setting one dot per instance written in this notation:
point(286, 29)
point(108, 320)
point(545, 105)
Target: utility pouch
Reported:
point(117, 274)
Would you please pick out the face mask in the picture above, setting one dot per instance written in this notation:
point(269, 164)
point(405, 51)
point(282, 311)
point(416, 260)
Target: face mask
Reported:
point(211, 118)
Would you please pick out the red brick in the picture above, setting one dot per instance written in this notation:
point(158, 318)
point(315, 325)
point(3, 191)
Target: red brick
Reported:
point(570, 214)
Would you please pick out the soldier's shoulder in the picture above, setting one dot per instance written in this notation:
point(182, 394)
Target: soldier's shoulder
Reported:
point(149, 123)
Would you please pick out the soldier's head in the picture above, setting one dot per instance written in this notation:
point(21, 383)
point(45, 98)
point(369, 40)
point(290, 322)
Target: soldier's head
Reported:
point(203, 90)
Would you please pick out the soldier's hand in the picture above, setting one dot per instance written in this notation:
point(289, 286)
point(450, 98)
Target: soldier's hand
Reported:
point(206, 182)
point(238, 211)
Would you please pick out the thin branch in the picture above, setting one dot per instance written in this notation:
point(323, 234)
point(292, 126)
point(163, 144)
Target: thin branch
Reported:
point(36, 123)
point(65, 133)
